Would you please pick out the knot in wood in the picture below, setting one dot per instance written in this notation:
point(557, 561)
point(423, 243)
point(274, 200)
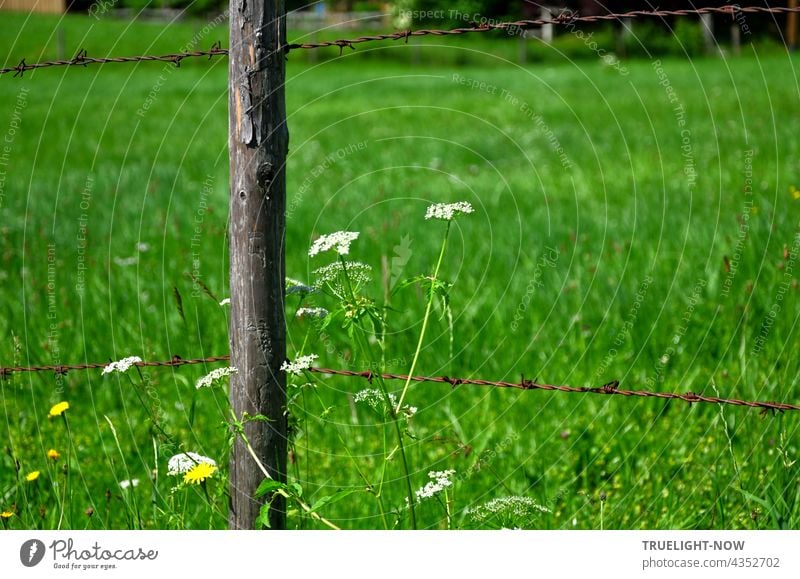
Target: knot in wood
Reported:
point(264, 174)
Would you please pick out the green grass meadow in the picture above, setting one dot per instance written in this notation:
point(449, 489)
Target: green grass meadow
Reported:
point(640, 227)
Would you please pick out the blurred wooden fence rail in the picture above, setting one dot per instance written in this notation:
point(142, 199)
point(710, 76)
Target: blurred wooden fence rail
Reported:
point(50, 6)
point(316, 20)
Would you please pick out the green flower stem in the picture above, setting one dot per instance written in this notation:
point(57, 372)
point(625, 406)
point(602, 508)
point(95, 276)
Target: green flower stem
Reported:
point(396, 421)
point(427, 317)
point(392, 413)
point(370, 486)
point(82, 478)
point(377, 495)
point(281, 492)
point(447, 509)
point(398, 431)
point(153, 417)
point(57, 491)
point(183, 510)
point(305, 413)
point(67, 489)
point(210, 503)
point(126, 499)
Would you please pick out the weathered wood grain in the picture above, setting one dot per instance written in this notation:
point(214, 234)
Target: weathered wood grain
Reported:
point(258, 141)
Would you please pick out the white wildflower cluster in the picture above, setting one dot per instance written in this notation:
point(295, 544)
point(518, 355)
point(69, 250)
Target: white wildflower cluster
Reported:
point(294, 286)
point(374, 399)
point(357, 272)
point(513, 507)
point(215, 376)
point(186, 461)
point(440, 480)
point(340, 241)
point(126, 484)
point(300, 364)
point(409, 411)
point(447, 211)
point(311, 313)
point(121, 366)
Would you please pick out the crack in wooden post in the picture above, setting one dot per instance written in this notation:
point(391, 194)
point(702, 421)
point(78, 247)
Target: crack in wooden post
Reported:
point(258, 141)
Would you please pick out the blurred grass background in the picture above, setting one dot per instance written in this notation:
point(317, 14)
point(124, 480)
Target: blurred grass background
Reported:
point(558, 156)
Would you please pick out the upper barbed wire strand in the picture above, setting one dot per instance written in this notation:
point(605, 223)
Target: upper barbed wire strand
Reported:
point(567, 17)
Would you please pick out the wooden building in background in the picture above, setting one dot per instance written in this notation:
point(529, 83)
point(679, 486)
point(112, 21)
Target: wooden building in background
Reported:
point(48, 6)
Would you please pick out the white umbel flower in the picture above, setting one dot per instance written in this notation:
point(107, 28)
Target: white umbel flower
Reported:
point(312, 313)
point(447, 211)
point(374, 399)
point(215, 376)
point(300, 364)
point(340, 241)
point(440, 480)
point(184, 462)
point(357, 272)
point(121, 366)
point(513, 506)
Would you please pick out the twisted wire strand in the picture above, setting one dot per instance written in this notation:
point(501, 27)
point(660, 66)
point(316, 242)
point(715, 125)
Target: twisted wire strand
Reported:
point(610, 389)
point(565, 18)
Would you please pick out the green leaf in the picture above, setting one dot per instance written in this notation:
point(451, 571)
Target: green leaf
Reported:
point(327, 320)
point(296, 489)
point(331, 499)
point(409, 282)
point(254, 418)
point(263, 516)
point(268, 485)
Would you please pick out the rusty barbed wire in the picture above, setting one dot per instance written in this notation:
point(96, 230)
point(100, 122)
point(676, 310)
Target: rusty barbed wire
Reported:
point(64, 368)
point(612, 388)
point(565, 18)
point(82, 59)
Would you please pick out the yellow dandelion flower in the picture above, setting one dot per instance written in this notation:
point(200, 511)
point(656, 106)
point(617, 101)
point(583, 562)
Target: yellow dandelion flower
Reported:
point(6, 514)
point(32, 476)
point(53, 454)
point(199, 473)
point(59, 409)
point(795, 193)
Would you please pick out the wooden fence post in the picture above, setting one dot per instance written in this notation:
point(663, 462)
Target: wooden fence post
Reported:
point(258, 140)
